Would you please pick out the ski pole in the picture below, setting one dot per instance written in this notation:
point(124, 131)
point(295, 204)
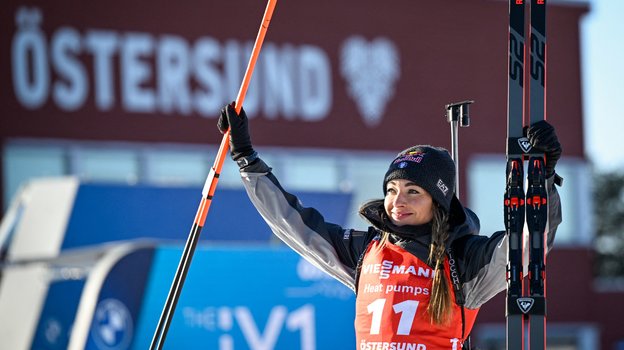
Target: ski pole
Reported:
point(207, 193)
point(457, 115)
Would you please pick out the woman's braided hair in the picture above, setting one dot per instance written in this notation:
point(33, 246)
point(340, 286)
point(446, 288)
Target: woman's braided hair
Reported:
point(440, 304)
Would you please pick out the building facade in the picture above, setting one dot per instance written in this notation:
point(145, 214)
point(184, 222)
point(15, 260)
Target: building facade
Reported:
point(117, 92)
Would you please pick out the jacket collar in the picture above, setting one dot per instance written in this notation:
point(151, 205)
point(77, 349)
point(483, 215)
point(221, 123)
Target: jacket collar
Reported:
point(463, 222)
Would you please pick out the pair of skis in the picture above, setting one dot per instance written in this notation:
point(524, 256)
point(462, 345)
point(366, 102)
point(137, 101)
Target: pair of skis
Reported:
point(526, 304)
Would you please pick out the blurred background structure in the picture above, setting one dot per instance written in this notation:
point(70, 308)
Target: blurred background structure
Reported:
point(108, 131)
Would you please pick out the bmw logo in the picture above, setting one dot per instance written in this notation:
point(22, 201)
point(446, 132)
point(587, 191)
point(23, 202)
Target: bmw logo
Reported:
point(112, 325)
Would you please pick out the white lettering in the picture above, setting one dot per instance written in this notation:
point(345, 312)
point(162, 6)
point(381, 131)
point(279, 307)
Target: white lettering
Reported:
point(29, 51)
point(398, 269)
point(173, 75)
point(406, 289)
point(303, 319)
point(223, 319)
point(102, 45)
point(315, 82)
point(257, 341)
point(71, 93)
point(387, 267)
point(373, 288)
point(205, 319)
point(135, 73)
point(382, 345)
point(278, 81)
point(425, 272)
point(209, 98)
point(166, 74)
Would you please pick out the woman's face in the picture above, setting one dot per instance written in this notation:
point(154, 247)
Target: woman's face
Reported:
point(407, 203)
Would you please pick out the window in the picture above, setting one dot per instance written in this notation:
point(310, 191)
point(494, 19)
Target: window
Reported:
point(486, 188)
point(357, 172)
point(24, 161)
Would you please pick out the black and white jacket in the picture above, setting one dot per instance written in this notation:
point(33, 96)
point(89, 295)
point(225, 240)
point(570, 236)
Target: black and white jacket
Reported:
point(337, 250)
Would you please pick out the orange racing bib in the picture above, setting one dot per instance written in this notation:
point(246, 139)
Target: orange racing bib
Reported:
point(394, 289)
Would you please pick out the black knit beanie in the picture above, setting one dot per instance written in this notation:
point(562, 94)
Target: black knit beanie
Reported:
point(429, 167)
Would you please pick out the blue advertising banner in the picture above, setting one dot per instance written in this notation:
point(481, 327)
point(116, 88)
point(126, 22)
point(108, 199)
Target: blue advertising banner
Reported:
point(257, 298)
point(118, 302)
point(112, 212)
point(58, 314)
point(94, 306)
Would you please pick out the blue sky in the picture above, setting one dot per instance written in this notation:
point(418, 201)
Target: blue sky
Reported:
point(602, 55)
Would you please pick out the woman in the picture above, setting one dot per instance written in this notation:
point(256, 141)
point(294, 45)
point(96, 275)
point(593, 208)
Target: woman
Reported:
point(421, 271)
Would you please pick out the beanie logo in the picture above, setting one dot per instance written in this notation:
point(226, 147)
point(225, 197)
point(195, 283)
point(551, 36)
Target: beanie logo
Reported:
point(442, 186)
point(411, 157)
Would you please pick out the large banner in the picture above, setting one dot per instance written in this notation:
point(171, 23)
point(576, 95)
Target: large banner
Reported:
point(234, 298)
point(347, 74)
point(57, 215)
point(248, 298)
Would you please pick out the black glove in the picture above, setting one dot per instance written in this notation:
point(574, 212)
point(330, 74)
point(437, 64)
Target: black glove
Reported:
point(240, 142)
point(543, 138)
